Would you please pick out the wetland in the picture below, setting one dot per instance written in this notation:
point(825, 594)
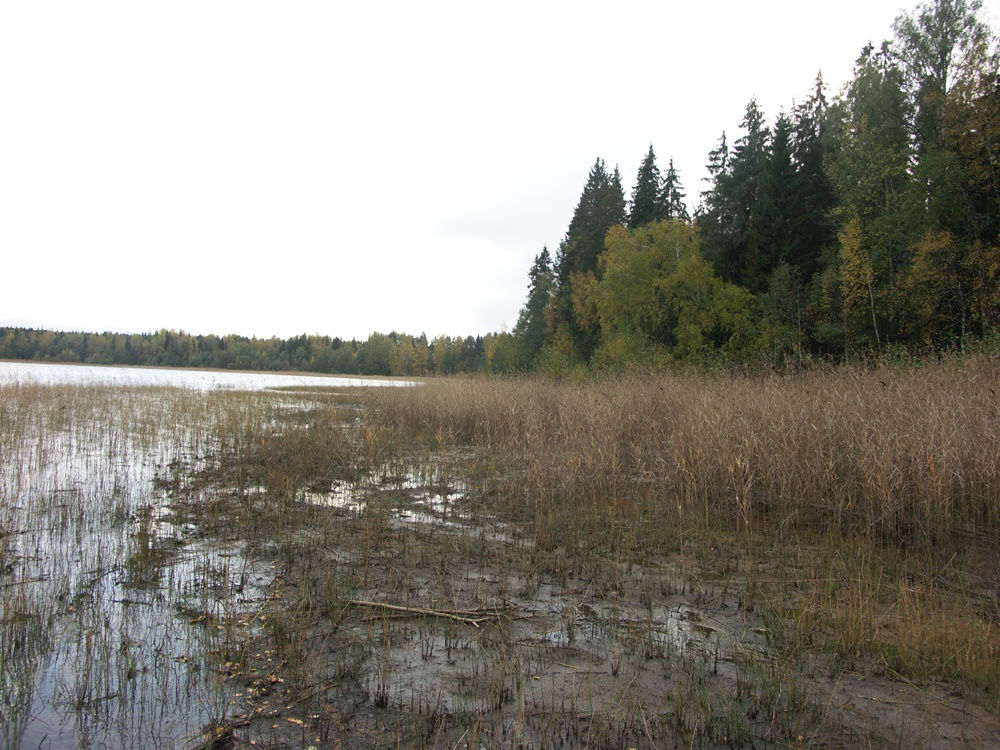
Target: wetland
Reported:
point(650, 561)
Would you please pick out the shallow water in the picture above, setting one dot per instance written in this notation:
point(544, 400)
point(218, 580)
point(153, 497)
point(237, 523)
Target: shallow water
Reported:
point(110, 612)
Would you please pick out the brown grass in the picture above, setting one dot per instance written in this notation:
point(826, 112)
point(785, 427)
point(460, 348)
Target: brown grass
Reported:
point(860, 507)
point(907, 457)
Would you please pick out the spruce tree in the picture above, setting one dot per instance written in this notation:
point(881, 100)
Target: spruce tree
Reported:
point(601, 206)
point(646, 205)
point(713, 214)
point(672, 196)
point(770, 238)
point(613, 205)
point(812, 151)
point(729, 204)
point(530, 328)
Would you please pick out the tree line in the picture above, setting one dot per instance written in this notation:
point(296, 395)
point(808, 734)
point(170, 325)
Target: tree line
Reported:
point(380, 354)
point(866, 223)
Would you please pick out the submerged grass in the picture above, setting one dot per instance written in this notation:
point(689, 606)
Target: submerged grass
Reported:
point(92, 571)
point(632, 561)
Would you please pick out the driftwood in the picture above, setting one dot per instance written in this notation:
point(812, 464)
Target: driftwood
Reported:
point(473, 617)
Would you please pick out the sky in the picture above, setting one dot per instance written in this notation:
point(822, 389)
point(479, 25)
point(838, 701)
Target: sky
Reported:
point(334, 168)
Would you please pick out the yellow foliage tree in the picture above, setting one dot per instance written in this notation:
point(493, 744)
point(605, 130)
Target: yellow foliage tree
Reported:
point(857, 280)
point(658, 296)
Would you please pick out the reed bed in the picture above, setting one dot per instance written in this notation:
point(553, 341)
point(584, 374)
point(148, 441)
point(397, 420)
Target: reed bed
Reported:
point(858, 508)
point(907, 456)
point(94, 578)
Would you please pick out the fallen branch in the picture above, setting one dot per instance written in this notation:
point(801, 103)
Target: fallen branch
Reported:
point(473, 617)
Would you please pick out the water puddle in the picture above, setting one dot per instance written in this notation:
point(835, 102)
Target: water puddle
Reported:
point(416, 498)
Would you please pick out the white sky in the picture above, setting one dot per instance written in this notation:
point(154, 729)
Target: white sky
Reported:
point(314, 166)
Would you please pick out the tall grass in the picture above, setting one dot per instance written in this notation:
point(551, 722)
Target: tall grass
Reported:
point(853, 515)
point(902, 456)
point(859, 509)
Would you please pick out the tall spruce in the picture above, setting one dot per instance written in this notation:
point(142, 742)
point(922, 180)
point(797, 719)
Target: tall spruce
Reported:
point(770, 232)
point(601, 206)
point(645, 205)
point(671, 198)
point(748, 162)
point(530, 328)
point(814, 229)
point(712, 216)
point(729, 204)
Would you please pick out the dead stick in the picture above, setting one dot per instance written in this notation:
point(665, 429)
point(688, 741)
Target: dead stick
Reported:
point(449, 615)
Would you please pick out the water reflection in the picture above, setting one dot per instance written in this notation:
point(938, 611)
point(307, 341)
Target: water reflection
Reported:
point(114, 615)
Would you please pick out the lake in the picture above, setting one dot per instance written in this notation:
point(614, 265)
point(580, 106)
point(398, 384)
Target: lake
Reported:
point(203, 380)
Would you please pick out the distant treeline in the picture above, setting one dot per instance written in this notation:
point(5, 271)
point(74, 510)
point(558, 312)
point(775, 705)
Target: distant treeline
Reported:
point(380, 354)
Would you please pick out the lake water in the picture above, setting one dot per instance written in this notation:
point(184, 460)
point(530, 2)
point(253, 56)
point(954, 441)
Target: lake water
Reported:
point(204, 380)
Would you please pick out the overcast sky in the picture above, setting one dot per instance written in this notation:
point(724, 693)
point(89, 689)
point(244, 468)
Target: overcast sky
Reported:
point(315, 166)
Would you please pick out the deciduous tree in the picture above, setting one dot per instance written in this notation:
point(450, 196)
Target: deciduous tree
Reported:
point(658, 294)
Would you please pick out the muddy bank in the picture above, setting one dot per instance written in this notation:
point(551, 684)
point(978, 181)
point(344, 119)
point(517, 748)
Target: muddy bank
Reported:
point(405, 613)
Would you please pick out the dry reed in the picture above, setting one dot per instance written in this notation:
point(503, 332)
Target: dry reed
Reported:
point(901, 456)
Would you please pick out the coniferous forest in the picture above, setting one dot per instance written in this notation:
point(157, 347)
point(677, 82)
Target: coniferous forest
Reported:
point(858, 223)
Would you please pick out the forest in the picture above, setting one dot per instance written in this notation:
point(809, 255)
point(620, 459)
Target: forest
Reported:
point(855, 225)
point(864, 223)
